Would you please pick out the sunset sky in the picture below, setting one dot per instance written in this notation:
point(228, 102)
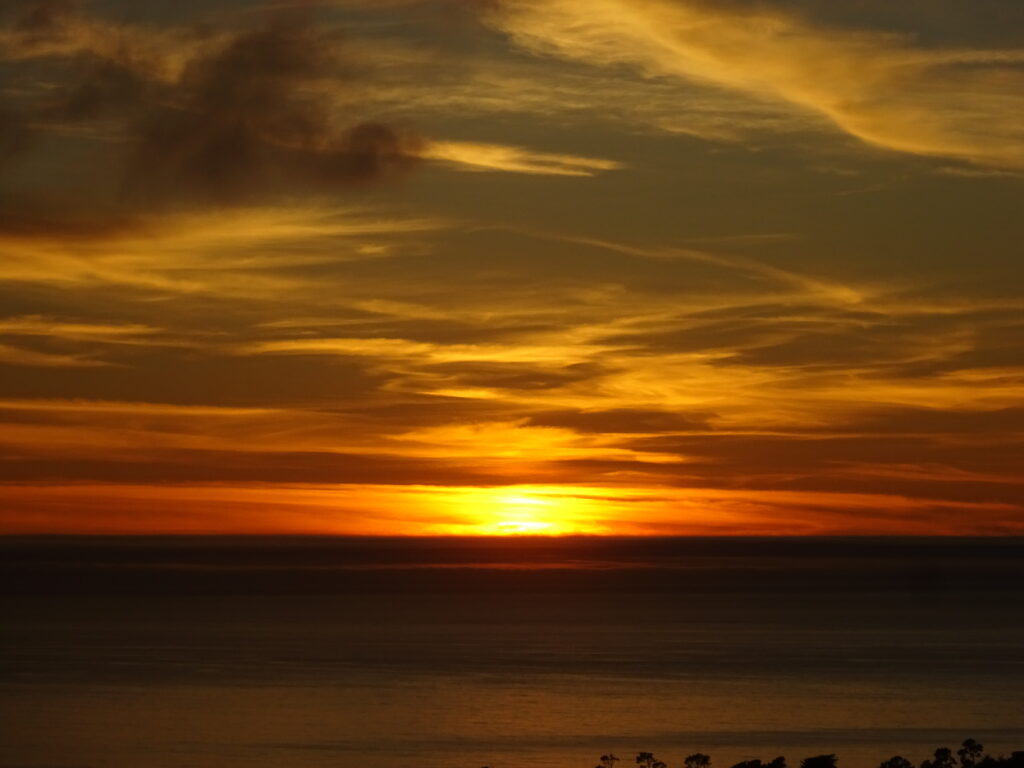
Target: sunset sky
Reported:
point(512, 266)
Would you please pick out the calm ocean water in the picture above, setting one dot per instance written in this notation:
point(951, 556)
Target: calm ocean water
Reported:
point(311, 654)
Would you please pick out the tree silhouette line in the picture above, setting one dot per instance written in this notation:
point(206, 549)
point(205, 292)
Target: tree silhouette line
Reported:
point(970, 755)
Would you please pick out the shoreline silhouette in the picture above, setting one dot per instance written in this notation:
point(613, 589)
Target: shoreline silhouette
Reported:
point(971, 754)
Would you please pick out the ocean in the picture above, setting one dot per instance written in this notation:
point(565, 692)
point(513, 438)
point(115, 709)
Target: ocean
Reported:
point(450, 653)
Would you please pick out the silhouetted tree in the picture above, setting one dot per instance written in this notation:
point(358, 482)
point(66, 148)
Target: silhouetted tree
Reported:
point(970, 753)
point(647, 760)
point(897, 761)
point(943, 759)
point(778, 762)
point(1015, 760)
point(819, 761)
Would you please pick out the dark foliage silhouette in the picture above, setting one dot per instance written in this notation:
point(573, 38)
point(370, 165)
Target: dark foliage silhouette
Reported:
point(819, 761)
point(896, 761)
point(943, 759)
point(648, 760)
point(971, 755)
point(778, 762)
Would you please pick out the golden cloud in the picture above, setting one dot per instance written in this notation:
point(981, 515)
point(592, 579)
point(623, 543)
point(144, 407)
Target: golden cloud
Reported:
point(497, 157)
point(878, 87)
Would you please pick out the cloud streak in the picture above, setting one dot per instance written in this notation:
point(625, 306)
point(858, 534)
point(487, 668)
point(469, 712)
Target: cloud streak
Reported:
point(496, 157)
point(877, 87)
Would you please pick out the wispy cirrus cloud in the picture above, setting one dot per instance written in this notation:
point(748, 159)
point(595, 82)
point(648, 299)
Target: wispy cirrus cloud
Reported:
point(12, 355)
point(251, 248)
point(878, 87)
point(38, 325)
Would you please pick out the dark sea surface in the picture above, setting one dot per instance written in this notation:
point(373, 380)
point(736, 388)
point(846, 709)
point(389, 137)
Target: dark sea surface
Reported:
point(387, 653)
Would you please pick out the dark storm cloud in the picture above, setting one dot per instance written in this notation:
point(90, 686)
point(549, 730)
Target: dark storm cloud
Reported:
point(38, 17)
point(239, 116)
point(247, 115)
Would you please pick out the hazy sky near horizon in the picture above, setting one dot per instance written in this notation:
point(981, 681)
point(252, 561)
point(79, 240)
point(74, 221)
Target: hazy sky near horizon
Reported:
point(542, 266)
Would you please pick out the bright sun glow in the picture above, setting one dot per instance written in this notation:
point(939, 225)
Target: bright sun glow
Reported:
point(523, 514)
point(523, 511)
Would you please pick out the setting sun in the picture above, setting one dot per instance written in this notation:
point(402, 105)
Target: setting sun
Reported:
point(525, 528)
point(518, 515)
point(519, 510)
point(529, 511)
